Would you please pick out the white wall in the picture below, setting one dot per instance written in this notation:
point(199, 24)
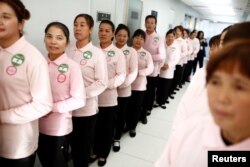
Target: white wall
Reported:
point(45, 11)
point(169, 12)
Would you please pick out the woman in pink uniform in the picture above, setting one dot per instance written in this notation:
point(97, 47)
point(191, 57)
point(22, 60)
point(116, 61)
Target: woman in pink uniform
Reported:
point(167, 71)
point(145, 68)
point(94, 72)
point(155, 45)
point(25, 93)
point(107, 101)
point(122, 34)
point(68, 94)
point(228, 87)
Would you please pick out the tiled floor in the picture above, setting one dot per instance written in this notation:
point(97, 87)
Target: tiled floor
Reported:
point(150, 140)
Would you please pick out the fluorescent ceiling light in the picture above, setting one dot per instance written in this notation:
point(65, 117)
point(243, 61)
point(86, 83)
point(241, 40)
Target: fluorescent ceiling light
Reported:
point(223, 11)
point(224, 2)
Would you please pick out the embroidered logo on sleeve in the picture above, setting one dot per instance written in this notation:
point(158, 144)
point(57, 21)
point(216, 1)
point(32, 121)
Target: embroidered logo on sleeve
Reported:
point(16, 60)
point(63, 68)
point(126, 52)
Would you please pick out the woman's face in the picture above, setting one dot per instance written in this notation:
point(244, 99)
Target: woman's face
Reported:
point(82, 30)
point(10, 27)
point(138, 42)
point(229, 101)
point(150, 25)
point(178, 33)
point(105, 33)
point(170, 39)
point(55, 41)
point(121, 37)
point(185, 34)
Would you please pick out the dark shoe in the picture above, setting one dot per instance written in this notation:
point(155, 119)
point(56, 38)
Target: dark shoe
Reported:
point(116, 146)
point(102, 161)
point(148, 112)
point(180, 86)
point(144, 120)
point(156, 105)
point(132, 133)
point(171, 96)
point(176, 89)
point(174, 93)
point(163, 106)
point(167, 101)
point(92, 158)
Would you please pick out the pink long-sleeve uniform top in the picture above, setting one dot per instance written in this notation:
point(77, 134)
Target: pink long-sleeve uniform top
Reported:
point(94, 72)
point(156, 47)
point(68, 94)
point(172, 58)
point(25, 96)
point(196, 48)
point(194, 102)
point(116, 63)
point(189, 145)
point(145, 68)
point(132, 70)
point(184, 52)
point(190, 48)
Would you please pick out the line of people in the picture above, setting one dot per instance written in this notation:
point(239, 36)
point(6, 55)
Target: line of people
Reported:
point(82, 96)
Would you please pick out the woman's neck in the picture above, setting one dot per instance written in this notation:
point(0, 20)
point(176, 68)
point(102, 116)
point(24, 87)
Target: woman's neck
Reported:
point(5, 43)
point(119, 46)
point(149, 32)
point(105, 45)
point(53, 57)
point(235, 136)
point(82, 43)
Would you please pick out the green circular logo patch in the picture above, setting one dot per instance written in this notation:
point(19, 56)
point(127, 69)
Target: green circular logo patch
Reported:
point(111, 53)
point(17, 59)
point(87, 55)
point(63, 68)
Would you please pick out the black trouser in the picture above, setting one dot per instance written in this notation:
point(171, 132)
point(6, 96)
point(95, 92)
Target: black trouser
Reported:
point(181, 81)
point(200, 59)
point(82, 139)
point(104, 131)
point(135, 109)
point(120, 116)
point(149, 99)
point(22, 162)
point(188, 70)
point(53, 150)
point(163, 90)
point(194, 65)
point(177, 77)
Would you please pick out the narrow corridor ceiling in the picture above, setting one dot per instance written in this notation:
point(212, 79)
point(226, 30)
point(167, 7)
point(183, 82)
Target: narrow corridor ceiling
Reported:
point(221, 10)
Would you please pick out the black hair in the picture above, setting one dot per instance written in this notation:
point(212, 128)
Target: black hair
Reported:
point(139, 32)
point(21, 12)
point(60, 25)
point(110, 23)
point(170, 31)
point(122, 27)
point(87, 17)
point(215, 40)
point(238, 31)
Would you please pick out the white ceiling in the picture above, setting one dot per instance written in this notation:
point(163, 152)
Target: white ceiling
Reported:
point(221, 10)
